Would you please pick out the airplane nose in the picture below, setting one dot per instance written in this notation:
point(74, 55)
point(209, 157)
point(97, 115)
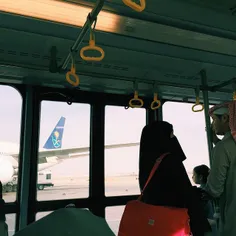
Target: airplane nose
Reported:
point(0, 190)
point(6, 171)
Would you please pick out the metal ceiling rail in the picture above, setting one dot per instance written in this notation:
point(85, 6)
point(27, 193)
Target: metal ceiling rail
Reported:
point(91, 18)
point(161, 83)
point(215, 88)
point(221, 85)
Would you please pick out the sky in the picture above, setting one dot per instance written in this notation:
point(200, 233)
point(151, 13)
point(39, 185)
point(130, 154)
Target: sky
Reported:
point(121, 126)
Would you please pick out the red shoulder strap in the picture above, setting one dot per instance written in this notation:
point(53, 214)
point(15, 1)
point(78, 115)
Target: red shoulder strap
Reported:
point(154, 169)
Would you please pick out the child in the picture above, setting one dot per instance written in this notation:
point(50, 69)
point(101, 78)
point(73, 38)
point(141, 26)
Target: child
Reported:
point(200, 174)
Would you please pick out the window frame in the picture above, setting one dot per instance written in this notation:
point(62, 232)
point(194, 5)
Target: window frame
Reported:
point(97, 102)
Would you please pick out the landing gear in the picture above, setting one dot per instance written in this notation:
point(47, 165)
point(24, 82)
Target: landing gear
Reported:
point(14, 188)
point(7, 189)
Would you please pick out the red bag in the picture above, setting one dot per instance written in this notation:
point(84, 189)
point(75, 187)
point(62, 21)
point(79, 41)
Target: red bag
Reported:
point(141, 219)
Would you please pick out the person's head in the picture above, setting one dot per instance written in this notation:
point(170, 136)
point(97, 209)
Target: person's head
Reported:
point(157, 138)
point(200, 174)
point(221, 120)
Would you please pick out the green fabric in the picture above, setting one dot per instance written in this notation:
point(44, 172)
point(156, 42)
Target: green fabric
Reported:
point(68, 222)
point(221, 183)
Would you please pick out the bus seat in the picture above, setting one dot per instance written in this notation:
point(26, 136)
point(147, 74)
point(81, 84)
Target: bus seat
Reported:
point(68, 221)
point(3, 228)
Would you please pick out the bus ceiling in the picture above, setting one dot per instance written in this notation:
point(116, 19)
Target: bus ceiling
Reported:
point(169, 44)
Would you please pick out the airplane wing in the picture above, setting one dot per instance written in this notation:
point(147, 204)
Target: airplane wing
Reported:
point(65, 153)
point(54, 151)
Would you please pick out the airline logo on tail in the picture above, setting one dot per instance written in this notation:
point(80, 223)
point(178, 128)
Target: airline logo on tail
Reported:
point(55, 139)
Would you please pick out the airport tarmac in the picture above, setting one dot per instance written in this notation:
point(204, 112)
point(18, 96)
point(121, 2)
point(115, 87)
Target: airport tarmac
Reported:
point(114, 187)
point(68, 188)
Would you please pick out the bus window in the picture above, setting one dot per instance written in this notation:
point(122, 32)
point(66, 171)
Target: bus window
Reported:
point(122, 128)
point(189, 127)
point(48, 176)
point(10, 125)
point(113, 217)
point(40, 215)
point(63, 172)
point(11, 222)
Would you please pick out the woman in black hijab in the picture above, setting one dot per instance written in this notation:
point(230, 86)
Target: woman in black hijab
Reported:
point(170, 185)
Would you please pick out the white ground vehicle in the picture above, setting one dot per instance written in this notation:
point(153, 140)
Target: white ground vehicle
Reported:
point(44, 180)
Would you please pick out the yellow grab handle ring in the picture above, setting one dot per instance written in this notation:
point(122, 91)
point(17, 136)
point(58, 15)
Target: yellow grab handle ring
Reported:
point(92, 46)
point(194, 109)
point(200, 109)
point(137, 100)
point(75, 81)
point(156, 102)
point(234, 96)
point(135, 6)
point(70, 74)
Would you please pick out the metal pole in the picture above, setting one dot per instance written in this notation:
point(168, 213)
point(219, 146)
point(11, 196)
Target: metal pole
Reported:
point(159, 114)
point(221, 85)
point(92, 16)
point(208, 128)
point(25, 176)
point(207, 117)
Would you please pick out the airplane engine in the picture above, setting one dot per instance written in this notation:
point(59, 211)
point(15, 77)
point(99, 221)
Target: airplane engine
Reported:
point(6, 171)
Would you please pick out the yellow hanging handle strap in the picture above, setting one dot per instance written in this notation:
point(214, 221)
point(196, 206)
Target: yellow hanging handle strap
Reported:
point(156, 102)
point(136, 102)
point(234, 95)
point(92, 46)
point(194, 107)
point(135, 6)
point(71, 76)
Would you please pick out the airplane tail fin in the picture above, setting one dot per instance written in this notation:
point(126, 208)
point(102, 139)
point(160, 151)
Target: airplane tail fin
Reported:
point(55, 139)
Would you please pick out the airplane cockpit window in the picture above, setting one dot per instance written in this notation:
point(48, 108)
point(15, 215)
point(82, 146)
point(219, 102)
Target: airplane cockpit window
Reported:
point(122, 130)
point(63, 169)
point(10, 127)
point(189, 127)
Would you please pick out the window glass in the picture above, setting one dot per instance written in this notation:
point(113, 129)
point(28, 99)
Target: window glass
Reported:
point(40, 215)
point(113, 217)
point(11, 222)
point(10, 124)
point(63, 163)
point(123, 130)
point(189, 127)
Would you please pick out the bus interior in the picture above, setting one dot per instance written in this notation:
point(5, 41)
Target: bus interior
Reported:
point(119, 56)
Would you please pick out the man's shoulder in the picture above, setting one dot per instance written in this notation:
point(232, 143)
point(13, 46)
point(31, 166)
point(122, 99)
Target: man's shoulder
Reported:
point(219, 146)
point(225, 142)
point(226, 147)
point(228, 143)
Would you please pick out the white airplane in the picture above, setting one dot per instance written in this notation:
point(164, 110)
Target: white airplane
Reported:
point(51, 154)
